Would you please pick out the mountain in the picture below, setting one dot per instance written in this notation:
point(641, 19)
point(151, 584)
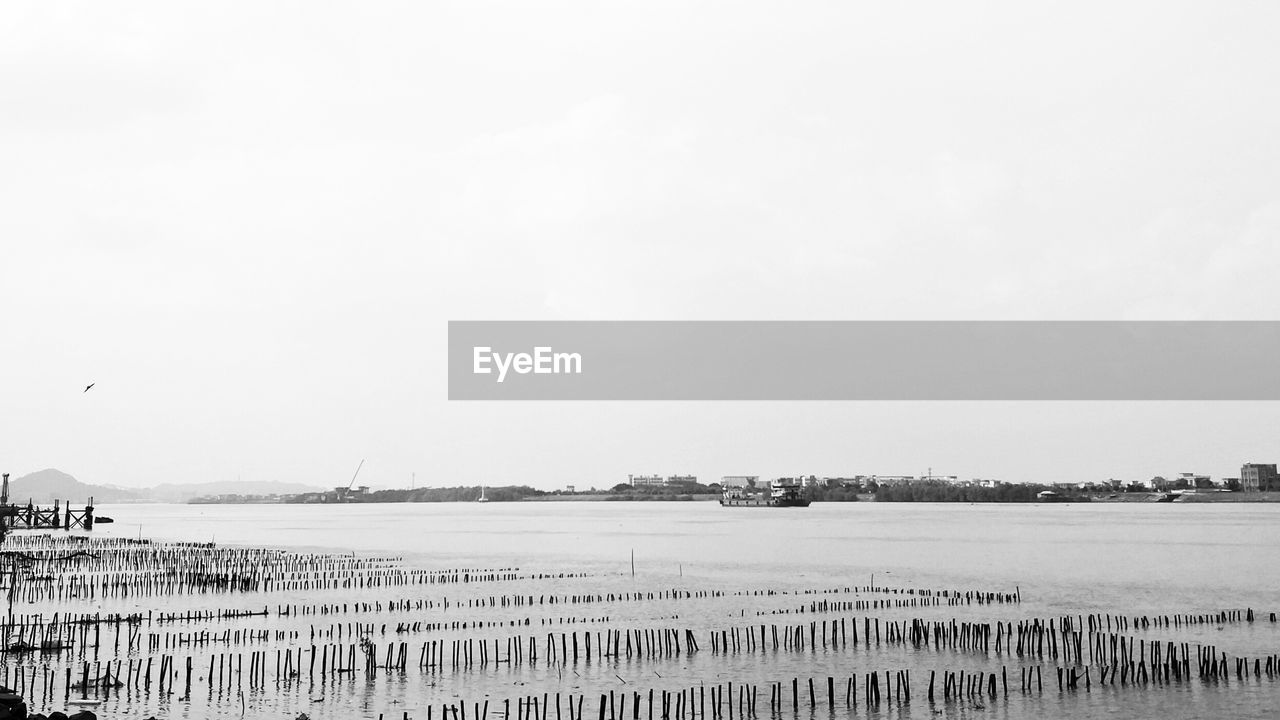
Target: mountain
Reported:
point(45, 486)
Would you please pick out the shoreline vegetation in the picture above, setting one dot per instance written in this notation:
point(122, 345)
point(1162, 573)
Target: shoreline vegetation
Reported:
point(932, 491)
point(493, 493)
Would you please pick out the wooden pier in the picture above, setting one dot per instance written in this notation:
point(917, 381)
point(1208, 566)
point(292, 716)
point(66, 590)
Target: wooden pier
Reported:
point(35, 517)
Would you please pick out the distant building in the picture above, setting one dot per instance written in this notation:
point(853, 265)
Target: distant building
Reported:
point(639, 480)
point(739, 481)
point(568, 488)
point(844, 482)
point(1192, 480)
point(679, 479)
point(344, 493)
point(1256, 477)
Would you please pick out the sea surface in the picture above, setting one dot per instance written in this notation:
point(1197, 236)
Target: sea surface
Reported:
point(1063, 560)
point(1145, 557)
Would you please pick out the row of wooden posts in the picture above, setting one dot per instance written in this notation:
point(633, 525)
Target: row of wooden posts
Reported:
point(1113, 651)
point(181, 676)
point(20, 624)
point(124, 568)
point(1053, 638)
point(722, 702)
point(1093, 648)
point(40, 588)
point(118, 567)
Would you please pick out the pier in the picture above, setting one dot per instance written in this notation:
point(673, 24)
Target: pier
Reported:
point(35, 517)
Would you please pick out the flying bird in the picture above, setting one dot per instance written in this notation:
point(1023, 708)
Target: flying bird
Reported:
point(86, 387)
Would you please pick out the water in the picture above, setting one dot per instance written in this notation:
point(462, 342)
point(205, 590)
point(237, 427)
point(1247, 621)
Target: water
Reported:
point(1065, 560)
point(1148, 557)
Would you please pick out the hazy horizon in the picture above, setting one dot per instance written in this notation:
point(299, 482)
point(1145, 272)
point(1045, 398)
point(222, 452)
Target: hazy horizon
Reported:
point(1178, 437)
point(249, 224)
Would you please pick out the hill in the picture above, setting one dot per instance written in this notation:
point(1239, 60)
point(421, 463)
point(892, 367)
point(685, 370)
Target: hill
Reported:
point(45, 486)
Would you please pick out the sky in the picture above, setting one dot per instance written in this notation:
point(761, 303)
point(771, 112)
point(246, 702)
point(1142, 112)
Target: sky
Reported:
point(249, 223)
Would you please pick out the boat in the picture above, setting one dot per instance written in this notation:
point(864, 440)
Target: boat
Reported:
point(482, 498)
point(783, 492)
point(1049, 496)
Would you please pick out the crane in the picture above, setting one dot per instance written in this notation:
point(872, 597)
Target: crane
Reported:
point(346, 494)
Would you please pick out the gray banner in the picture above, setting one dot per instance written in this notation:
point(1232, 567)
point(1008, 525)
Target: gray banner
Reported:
point(1195, 360)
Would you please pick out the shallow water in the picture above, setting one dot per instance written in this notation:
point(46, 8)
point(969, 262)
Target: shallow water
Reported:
point(1148, 557)
point(1134, 559)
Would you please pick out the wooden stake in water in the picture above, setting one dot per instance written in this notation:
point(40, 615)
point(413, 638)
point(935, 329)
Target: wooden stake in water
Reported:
point(633, 562)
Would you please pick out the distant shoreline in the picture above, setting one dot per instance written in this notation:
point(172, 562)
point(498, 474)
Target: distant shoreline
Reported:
point(1202, 497)
point(1130, 498)
point(623, 497)
point(576, 497)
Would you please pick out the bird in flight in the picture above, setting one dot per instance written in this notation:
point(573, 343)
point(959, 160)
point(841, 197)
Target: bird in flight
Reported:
point(86, 387)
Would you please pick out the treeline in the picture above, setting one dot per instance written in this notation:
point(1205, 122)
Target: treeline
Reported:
point(509, 493)
point(831, 494)
point(626, 491)
point(941, 491)
point(642, 497)
point(471, 493)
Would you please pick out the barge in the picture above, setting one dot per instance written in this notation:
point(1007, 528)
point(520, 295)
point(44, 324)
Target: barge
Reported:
point(783, 492)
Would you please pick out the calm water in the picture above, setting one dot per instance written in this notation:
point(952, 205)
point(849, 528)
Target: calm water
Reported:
point(1065, 559)
point(1148, 557)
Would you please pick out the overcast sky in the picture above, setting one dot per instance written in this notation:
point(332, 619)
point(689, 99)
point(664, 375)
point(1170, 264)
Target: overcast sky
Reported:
point(248, 224)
